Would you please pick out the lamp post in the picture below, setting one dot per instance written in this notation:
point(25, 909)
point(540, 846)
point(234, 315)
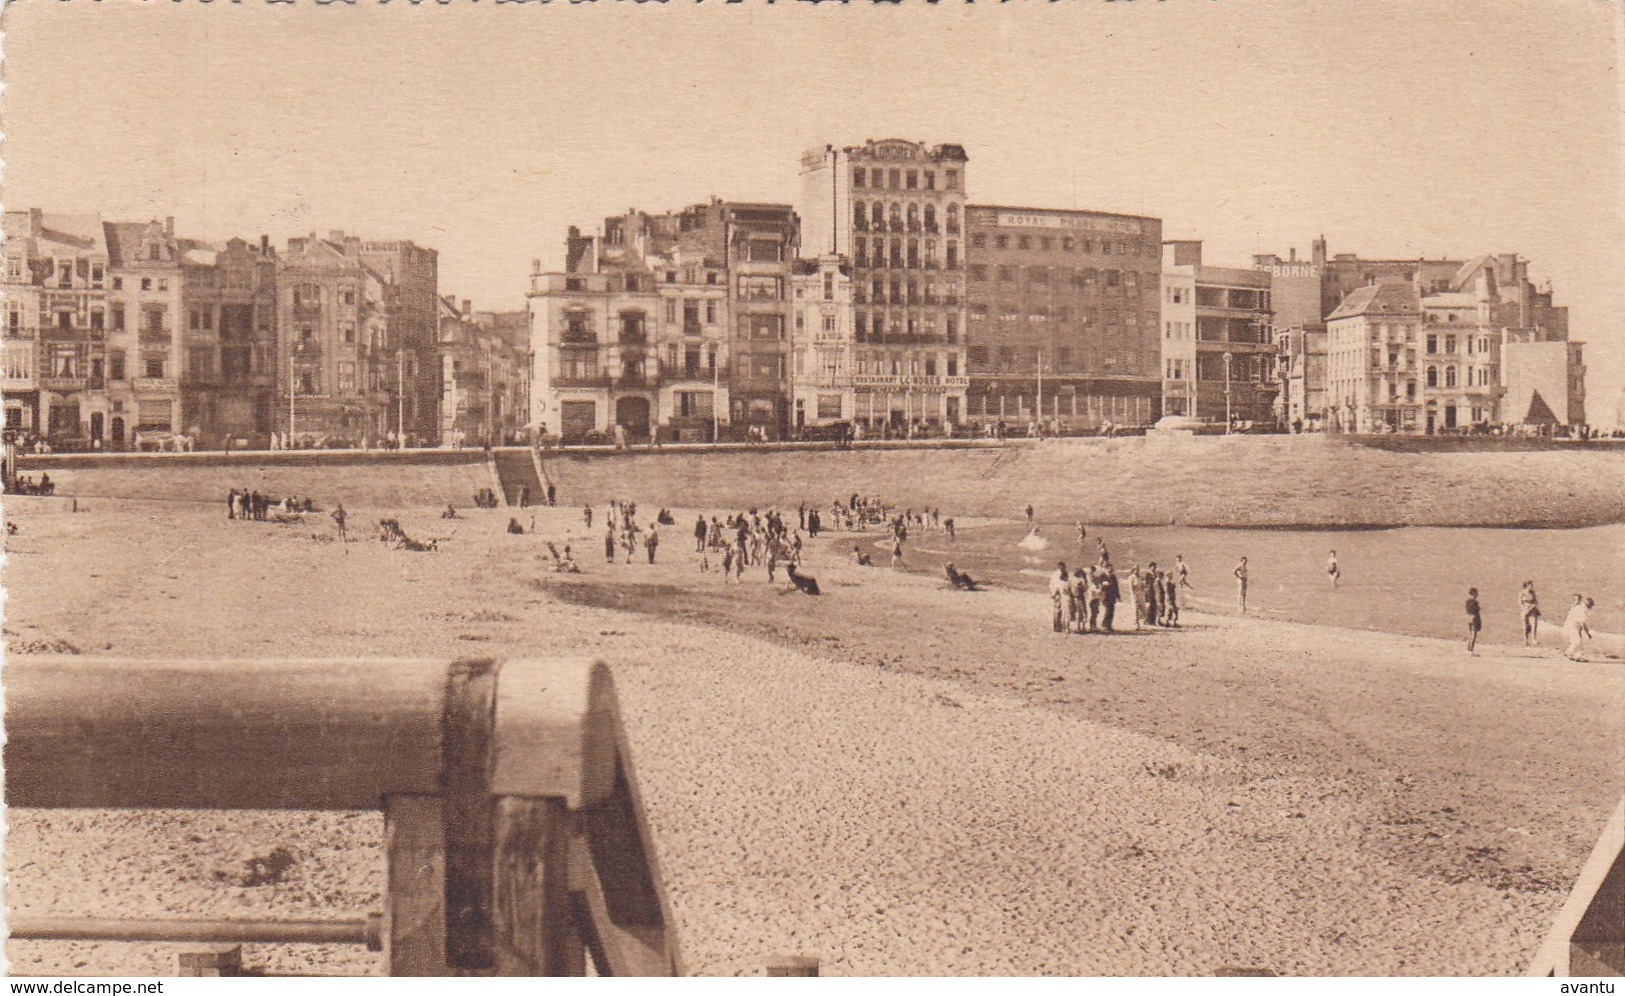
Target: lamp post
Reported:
point(293, 349)
point(1227, 416)
point(400, 399)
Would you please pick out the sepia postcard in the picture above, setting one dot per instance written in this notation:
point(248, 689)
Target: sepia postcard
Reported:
point(1111, 488)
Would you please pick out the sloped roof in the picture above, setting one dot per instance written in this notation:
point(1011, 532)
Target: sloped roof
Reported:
point(1539, 413)
point(1385, 298)
point(1466, 272)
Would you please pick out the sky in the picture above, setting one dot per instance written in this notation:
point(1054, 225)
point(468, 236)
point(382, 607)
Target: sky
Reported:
point(1396, 129)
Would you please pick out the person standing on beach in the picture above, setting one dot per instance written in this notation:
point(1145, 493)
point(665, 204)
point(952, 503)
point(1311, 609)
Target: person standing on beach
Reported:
point(1182, 572)
point(897, 554)
point(339, 515)
point(651, 542)
point(1153, 594)
point(609, 544)
point(552, 495)
point(1577, 627)
point(1331, 568)
point(586, 513)
point(1083, 533)
point(1475, 621)
point(1029, 516)
point(1059, 592)
point(1241, 584)
point(1109, 596)
point(1529, 606)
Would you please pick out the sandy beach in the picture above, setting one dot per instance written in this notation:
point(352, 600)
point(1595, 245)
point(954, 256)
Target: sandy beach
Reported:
point(894, 777)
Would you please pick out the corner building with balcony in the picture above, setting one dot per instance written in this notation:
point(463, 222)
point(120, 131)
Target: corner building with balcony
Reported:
point(674, 323)
point(896, 210)
point(56, 281)
point(1064, 309)
point(821, 344)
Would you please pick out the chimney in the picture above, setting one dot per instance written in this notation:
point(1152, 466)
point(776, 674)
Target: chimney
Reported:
point(265, 245)
point(468, 307)
point(335, 236)
point(169, 226)
point(1292, 255)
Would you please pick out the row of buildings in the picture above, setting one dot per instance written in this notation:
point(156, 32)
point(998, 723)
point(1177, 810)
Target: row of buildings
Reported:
point(121, 333)
point(886, 297)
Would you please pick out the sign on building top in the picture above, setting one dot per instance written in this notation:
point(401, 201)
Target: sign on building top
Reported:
point(1058, 219)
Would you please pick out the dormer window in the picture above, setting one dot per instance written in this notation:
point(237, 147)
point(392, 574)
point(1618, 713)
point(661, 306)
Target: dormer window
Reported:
point(155, 252)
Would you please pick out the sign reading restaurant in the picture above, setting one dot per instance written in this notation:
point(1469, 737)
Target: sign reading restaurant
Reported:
point(1056, 219)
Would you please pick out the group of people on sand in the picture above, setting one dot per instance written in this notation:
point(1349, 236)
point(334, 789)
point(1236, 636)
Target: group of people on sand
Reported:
point(751, 539)
point(1085, 598)
point(1576, 625)
point(252, 506)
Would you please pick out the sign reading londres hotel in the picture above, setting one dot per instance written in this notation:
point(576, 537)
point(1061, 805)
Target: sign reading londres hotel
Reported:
point(1039, 219)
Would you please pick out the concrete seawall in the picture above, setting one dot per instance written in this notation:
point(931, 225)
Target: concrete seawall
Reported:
point(1235, 481)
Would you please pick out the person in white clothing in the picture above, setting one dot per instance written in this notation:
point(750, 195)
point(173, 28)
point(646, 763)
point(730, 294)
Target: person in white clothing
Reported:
point(1577, 627)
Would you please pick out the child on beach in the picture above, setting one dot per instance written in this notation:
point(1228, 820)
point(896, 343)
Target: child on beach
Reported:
point(1331, 568)
point(1529, 605)
point(1577, 627)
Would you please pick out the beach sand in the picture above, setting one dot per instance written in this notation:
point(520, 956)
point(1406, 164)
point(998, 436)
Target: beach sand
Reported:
point(894, 777)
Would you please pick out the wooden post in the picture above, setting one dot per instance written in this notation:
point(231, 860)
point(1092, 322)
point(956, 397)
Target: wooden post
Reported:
point(216, 960)
point(414, 932)
point(534, 931)
point(790, 966)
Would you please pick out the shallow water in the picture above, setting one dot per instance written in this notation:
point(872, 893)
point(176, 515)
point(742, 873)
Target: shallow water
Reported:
point(1410, 580)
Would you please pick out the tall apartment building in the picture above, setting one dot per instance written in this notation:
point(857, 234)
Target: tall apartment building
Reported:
point(338, 372)
point(484, 375)
point(410, 274)
point(1063, 316)
point(55, 337)
point(1235, 344)
point(677, 322)
point(145, 338)
point(1537, 357)
point(896, 210)
point(228, 340)
point(1300, 339)
point(1403, 360)
point(822, 390)
point(1179, 340)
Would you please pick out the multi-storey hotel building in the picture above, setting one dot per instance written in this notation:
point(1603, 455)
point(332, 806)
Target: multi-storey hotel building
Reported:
point(1064, 310)
point(896, 210)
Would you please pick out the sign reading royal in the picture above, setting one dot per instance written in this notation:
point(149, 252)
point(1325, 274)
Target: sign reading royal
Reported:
point(1061, 219)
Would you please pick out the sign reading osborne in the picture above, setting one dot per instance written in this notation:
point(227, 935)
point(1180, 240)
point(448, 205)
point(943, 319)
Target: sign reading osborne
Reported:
point(1032, 219)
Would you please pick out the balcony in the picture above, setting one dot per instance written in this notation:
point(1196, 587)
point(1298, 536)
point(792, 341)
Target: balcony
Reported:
point(597, 381)
point(692, 328)
point(64, 384)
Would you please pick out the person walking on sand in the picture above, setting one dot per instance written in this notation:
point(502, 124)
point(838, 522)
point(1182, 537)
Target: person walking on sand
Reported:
point(1475, 621)
point(609, 544)
point(1577, 627)
point(524, 496)
point(1153, 594)
point(586, 513)
point(701, 531)
point(1331, 568)
point(1109, 596)
point(1182, 572)
point(1029, 516)
point(339, 515)
point(897, 555)
point(651, 542)
point(1241, 584)
point(1083, 533)
point(552, 495)
point(1529, 607)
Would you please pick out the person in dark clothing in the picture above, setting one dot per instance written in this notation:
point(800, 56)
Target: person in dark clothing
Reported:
point(552, 495)
point(524, 496)
point(609, 545)
point(1153, 594)
point(1475, 621)
point(700, 531)
point(514, 528)
point(1109, 596)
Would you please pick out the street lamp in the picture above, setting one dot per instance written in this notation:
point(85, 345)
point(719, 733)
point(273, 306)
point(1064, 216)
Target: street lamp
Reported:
point(1228, 419)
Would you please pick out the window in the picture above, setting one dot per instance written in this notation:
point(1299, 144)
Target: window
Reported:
point(758, 289)
point(762, 326)
point(117, 317)
point(1449, 376)
point(1068, 244)
point(829, 286)
point(953, 219)
point(163, 285)
point(347, 375)
point(115, 364)
point(1001, 241)
point(146, 283)
point(710, 312)
point(154, 367)
point(763, 251)
point(978, 241)
point(1449, 344)
point(951, 179)
point(671, 311)
point(1038, 274)
point(858, 177)
point(1433, 376)
point(1024, 242)
point(912, 179)
point(978, 271)
point(952, 262)
point(930, 180)
point(118, 283)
